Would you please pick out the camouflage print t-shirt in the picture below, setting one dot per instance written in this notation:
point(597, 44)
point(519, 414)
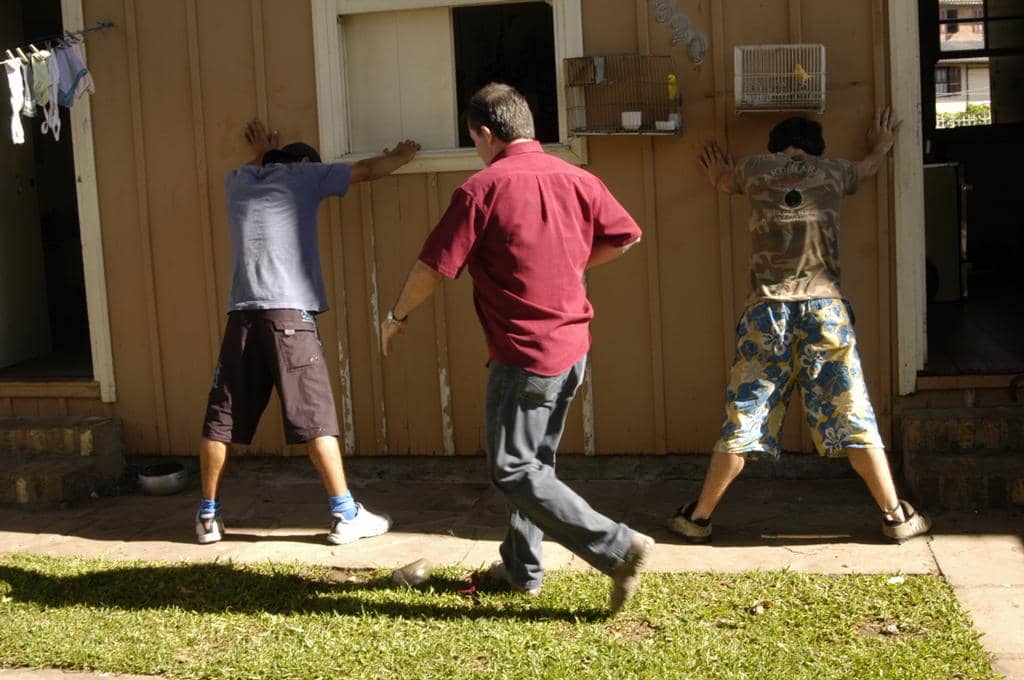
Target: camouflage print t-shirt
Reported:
point(794, 225)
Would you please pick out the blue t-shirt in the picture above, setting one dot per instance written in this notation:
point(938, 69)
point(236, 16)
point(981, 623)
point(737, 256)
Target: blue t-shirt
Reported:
point(275, 253)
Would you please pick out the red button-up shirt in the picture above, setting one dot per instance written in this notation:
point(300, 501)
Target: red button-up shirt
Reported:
point(525, 226)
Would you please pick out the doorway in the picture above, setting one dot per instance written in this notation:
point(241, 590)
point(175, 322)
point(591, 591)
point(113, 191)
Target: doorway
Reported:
point(44, 324)
point(972, 73)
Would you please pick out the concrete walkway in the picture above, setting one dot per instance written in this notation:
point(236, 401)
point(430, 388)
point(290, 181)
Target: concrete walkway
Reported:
point(819, 526)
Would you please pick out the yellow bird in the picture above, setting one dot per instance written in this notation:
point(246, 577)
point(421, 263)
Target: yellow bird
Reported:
point(673, 88)
point(802, 73)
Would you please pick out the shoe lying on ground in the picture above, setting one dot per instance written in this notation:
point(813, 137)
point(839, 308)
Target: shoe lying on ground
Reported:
point(363, 525)
point(498, 575)
point(209, 529)
point(914, 524)
point(694, 531)
point(626, 577)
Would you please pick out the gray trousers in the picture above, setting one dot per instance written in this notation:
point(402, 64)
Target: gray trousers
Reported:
point(525, 418)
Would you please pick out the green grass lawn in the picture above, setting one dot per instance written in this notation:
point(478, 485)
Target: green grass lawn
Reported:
point(293, 621)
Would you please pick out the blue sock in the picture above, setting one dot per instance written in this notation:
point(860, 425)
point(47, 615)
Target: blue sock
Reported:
point(344, 505)
point(208, 508)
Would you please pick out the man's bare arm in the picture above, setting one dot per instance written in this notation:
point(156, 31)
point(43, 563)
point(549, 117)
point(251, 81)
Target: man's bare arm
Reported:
point(419, 285)
point(880, 138)
point(380, 166)
point(718, 167)
point(604, 253)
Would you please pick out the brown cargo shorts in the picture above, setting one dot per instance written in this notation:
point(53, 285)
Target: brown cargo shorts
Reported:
point(263, 349)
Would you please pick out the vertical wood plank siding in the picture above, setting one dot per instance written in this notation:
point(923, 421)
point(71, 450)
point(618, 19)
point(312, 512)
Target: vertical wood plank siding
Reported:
point(176, 82)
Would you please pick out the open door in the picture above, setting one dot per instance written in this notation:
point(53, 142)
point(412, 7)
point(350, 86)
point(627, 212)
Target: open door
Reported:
point(44, 320)
point(972, 73)
point(24, 317)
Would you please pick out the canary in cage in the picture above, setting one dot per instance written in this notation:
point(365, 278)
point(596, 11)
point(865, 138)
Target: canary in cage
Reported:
point(673, 88)
point(801, 73)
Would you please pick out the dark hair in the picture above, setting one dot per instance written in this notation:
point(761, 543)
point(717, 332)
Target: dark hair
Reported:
point(291, 153)
point(502, 109)
point(798, 132)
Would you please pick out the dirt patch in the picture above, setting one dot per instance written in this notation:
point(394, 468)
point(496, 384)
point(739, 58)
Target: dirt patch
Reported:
point(886, 629)
point(633, 631)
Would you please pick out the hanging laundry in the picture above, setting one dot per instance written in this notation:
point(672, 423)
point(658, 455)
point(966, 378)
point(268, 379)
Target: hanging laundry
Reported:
point(51, 112)
point(85, 83)
point(41, 82)
point(28, 109)
point(72, 70)
point(13, 69)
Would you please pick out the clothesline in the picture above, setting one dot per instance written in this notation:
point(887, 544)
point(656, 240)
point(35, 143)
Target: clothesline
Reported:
point(47, 79)
point(31, 43)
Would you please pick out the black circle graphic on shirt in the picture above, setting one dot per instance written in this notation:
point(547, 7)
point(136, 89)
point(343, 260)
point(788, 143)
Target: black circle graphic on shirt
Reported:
point(793, 198)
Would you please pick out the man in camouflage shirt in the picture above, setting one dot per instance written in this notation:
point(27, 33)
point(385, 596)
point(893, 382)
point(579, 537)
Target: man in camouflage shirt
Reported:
point(797, 328)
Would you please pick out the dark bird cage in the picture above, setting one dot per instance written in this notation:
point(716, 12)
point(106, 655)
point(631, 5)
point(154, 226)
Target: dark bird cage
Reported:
point(623, 95)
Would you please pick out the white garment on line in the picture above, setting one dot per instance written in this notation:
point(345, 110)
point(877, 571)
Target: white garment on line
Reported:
point(17, 86)
point(51, 112)
point(28, 110)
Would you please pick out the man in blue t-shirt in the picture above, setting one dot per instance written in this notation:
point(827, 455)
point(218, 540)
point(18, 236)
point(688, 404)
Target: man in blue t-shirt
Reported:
point(271, 338)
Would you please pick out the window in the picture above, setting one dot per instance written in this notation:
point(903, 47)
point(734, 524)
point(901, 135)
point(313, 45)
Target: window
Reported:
point(979, 74)
point(951, 27)
point(395, 69)
point(947, 80)
point(512, 44)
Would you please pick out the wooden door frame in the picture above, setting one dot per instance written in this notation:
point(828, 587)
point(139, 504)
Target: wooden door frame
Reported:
point(909, 296)
point(89, 223)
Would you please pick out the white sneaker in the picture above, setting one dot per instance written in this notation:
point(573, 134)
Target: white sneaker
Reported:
point(363, 525)
point(209, 529)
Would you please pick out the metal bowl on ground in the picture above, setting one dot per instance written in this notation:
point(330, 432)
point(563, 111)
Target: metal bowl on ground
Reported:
point(163, 479)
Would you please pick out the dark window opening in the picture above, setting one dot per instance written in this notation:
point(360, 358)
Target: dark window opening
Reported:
point(514, 44)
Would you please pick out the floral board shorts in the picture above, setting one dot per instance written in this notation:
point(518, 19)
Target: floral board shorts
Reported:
point(809, 343)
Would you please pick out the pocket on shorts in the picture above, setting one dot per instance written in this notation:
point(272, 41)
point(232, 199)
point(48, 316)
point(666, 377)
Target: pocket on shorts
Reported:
point(297, 344)
point(540, 390)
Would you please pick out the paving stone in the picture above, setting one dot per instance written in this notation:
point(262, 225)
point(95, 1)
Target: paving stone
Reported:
point(998, 613)
point(980, 560)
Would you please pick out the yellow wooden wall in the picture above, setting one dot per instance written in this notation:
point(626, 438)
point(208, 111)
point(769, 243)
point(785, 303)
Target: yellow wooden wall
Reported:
point(177, 80)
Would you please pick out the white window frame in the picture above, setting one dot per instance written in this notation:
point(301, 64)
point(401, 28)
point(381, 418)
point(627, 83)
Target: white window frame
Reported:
point(331, 95)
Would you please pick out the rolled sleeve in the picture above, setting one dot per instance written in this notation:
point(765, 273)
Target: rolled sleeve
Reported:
point(449, 245)
point(613, 225)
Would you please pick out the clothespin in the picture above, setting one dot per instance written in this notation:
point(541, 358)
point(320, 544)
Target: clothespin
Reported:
point(10, 55)
point(21, 54)
point(35, 50)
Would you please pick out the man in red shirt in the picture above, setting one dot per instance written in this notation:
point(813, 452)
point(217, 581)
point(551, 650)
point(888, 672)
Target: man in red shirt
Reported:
point(528, 226)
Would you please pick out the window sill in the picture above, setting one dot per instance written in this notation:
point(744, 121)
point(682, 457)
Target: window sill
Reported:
point(466, 159)
point(49, 389)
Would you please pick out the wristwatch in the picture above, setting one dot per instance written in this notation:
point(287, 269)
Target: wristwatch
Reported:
point(391, 318)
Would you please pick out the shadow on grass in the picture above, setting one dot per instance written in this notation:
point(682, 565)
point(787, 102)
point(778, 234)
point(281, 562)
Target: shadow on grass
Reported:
point(219, 588)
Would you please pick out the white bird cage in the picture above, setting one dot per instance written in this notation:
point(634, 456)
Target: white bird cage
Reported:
point(780, 78)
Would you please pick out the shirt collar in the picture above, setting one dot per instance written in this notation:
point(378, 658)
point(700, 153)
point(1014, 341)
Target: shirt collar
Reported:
point(532, 146)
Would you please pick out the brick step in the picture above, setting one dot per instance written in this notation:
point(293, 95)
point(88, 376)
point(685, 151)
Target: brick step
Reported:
point(94, 437)
point(953, 430)
point(965, 458)
point(49, 480)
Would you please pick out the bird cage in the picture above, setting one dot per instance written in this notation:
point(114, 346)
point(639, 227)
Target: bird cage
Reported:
point(780, 78)
point(629, 94)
